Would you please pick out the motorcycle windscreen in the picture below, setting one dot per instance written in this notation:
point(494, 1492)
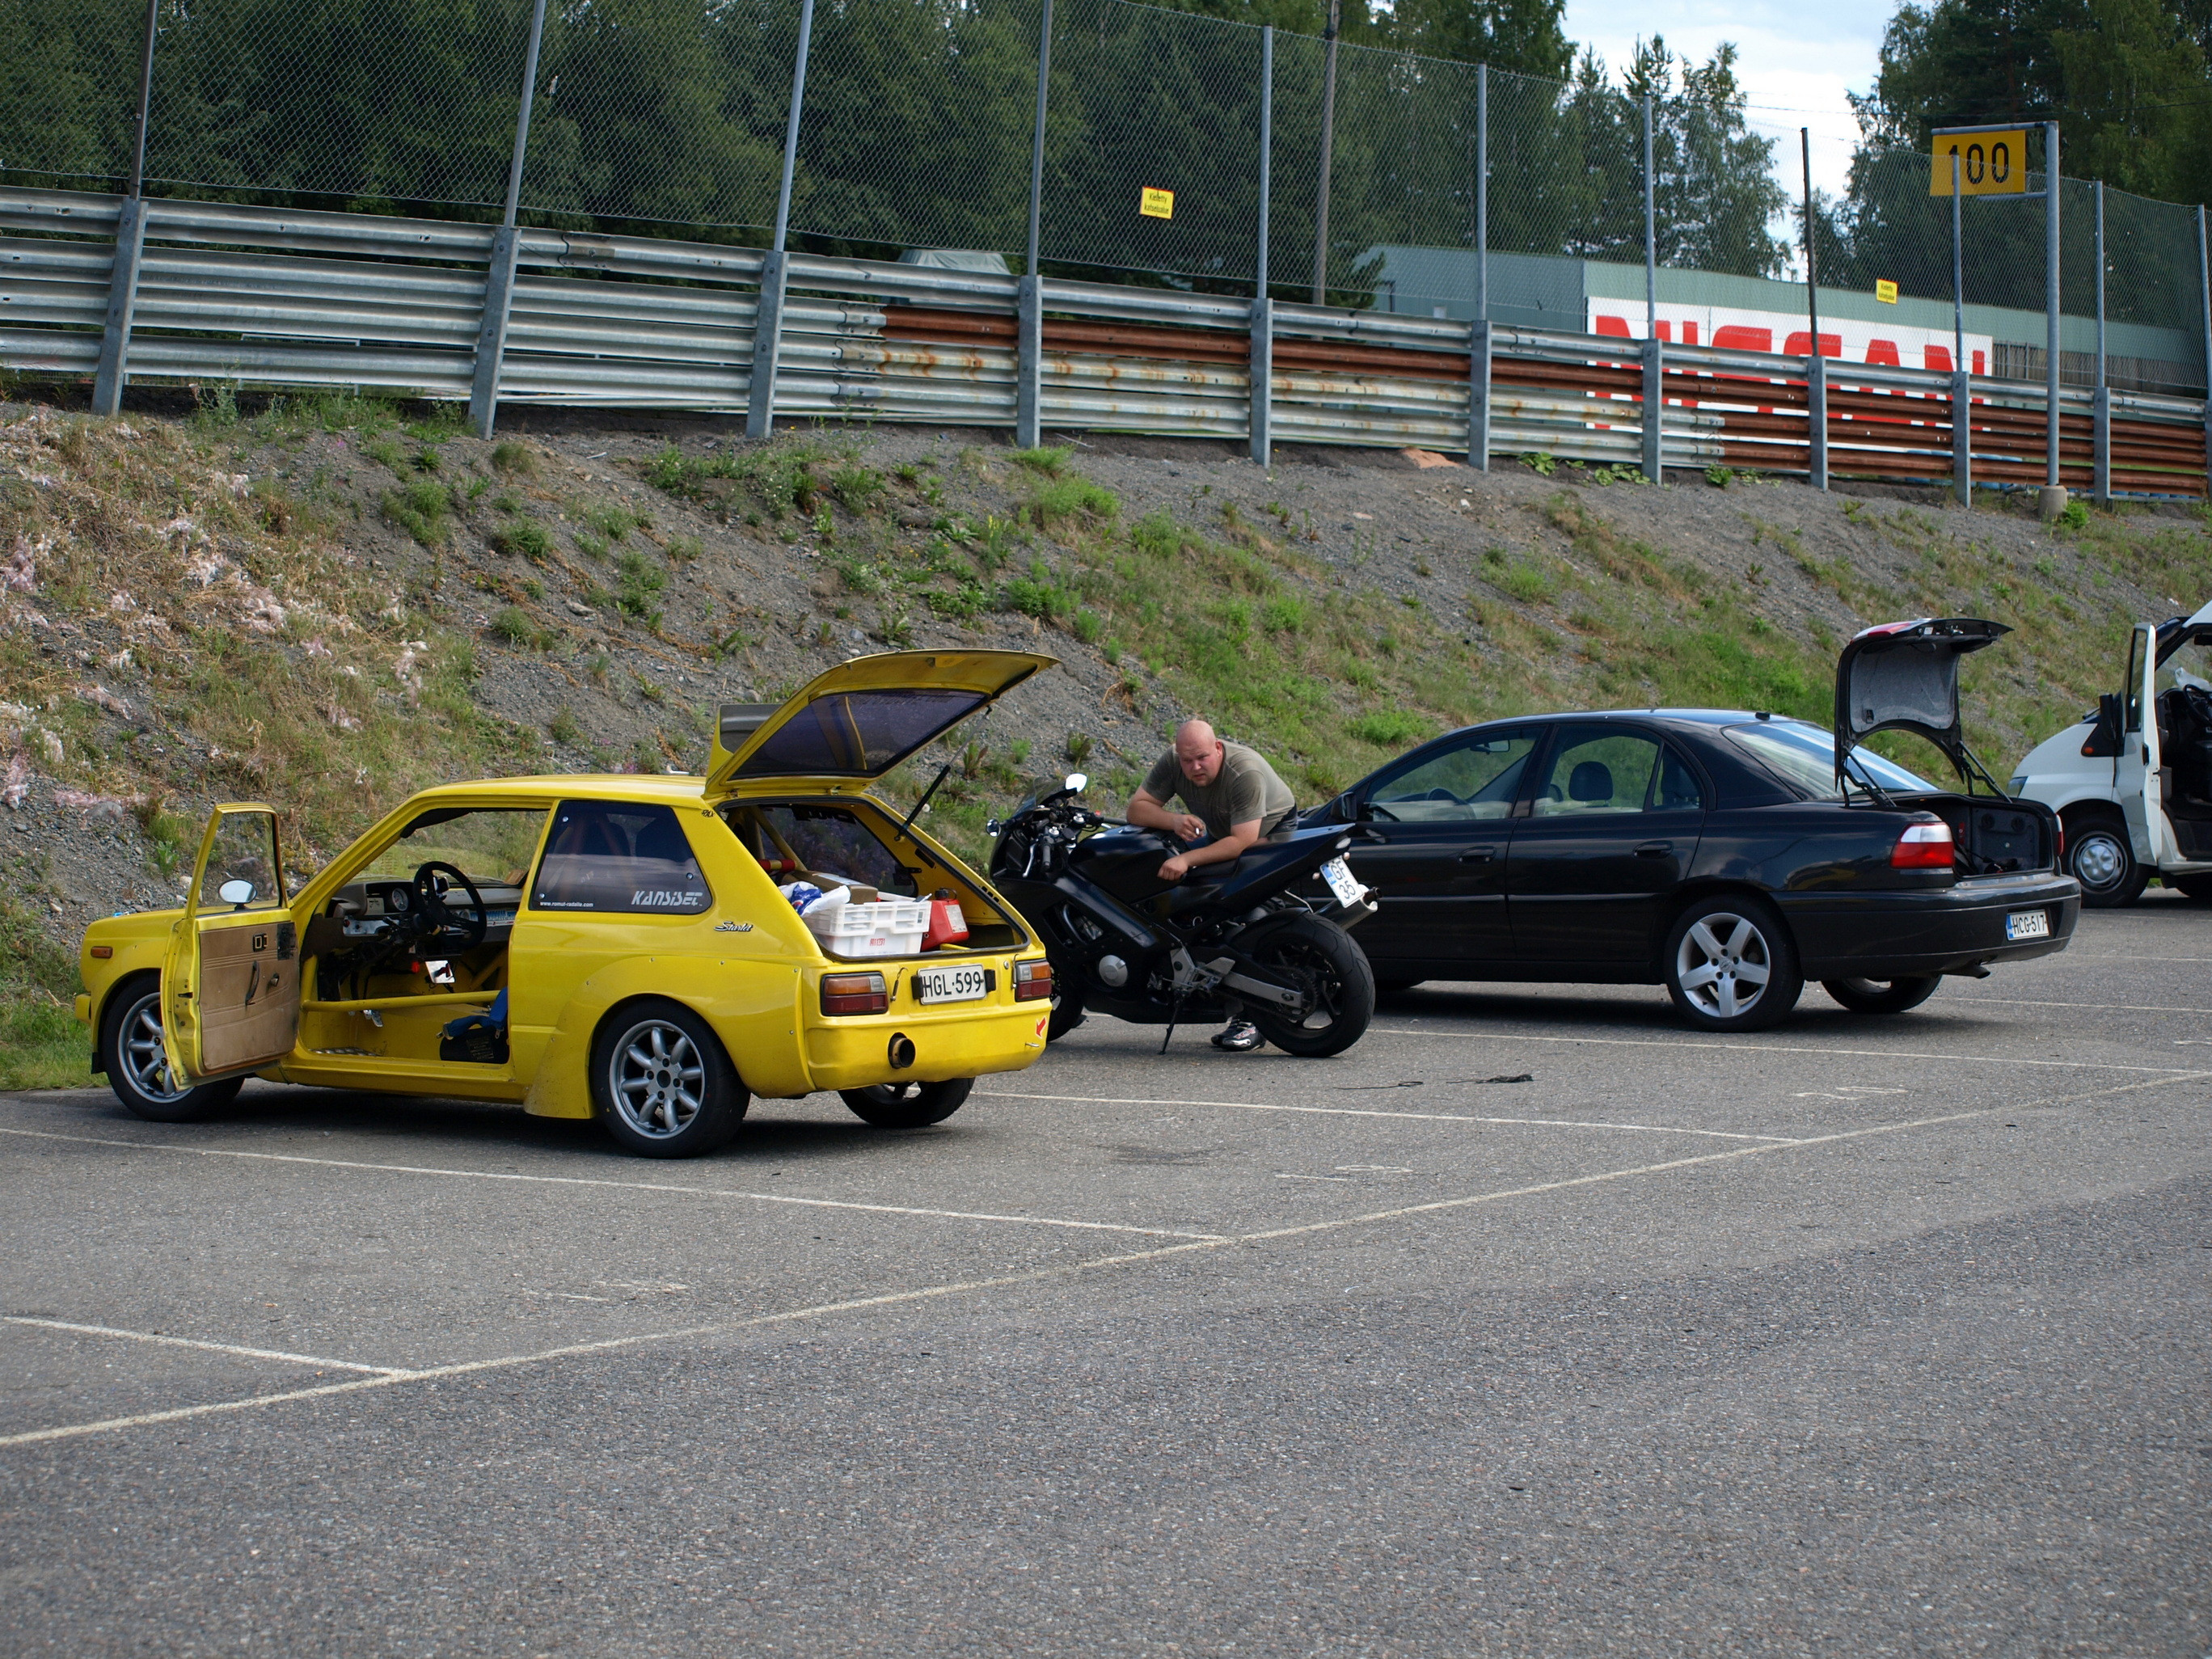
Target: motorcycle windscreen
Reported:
point(1903, 677)
point(861, 718)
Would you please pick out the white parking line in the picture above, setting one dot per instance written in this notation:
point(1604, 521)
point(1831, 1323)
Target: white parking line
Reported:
point(622, 1186)
point(892, 1298)
point(1747, 1045)
point(1968, 1001)
point(190, 1342)
point(1361, 1111)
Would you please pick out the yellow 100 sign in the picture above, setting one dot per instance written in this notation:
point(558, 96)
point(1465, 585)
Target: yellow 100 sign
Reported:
point(1989, 164)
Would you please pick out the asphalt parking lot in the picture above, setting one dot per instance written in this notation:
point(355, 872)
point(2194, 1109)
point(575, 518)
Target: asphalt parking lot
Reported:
point(1858, 1336)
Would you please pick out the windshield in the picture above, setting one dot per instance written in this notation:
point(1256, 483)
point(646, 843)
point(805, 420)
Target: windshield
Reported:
point(1805, 755)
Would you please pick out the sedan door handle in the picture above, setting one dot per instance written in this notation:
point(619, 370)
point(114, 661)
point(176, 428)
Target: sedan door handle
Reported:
point(1654, 849)
point(1478, 855)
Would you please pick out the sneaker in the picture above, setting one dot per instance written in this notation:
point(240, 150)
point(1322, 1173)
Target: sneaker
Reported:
point(1241, 1037)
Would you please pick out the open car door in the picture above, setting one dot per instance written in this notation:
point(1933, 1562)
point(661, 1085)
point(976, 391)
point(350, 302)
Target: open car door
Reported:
point(1903, 677)
point(230, 983)
point(861, 718)
point(2136, 781)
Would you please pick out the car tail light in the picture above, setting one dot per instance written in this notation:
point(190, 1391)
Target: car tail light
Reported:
point(1923, 846)
point(1032, 980)
point(855, 994)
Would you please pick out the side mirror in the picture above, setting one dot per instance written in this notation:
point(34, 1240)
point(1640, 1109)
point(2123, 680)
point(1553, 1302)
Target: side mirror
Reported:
point(238, 891)
point(2104, 739)
point(1078, 782)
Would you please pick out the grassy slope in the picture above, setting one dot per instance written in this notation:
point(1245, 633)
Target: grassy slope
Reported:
point(289, 667)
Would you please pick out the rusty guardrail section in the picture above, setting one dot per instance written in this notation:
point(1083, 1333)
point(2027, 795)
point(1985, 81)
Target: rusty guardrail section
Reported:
point(271, 298)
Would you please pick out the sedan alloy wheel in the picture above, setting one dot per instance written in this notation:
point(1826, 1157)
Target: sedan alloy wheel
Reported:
point(1731, 967)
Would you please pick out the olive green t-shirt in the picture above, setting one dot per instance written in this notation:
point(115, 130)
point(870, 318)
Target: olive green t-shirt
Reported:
point(1245, 788)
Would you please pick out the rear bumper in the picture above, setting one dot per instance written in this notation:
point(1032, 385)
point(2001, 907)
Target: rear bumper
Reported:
point(1905, 935)
point(855, 1052)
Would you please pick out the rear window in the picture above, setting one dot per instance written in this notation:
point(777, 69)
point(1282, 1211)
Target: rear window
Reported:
point(1805, 756)
point(618, 856)
point(862, 733)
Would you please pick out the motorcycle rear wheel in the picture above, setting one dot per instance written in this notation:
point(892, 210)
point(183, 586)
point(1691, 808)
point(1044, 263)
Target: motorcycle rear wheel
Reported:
point(1323, 958)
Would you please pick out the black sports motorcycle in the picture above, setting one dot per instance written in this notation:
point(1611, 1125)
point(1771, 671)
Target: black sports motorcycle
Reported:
point(1229, 939)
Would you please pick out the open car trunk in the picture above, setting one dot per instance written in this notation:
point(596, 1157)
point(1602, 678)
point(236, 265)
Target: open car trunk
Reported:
point(860, 719)
point(1903, 677)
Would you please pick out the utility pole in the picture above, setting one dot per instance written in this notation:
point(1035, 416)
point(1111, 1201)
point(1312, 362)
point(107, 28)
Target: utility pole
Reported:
point(1327, 152)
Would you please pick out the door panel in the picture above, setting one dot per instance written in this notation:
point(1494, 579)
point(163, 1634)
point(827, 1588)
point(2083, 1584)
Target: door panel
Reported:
point(2135, 771)
point(1439, 869)
point(1614, 826)
point(230, 983)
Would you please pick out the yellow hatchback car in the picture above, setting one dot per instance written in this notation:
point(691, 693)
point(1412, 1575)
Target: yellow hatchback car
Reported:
point(610, 946)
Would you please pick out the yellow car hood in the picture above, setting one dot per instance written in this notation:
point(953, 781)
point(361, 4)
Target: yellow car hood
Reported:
point(861, 718)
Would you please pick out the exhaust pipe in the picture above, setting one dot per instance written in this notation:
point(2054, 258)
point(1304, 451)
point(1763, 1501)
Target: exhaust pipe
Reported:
point(902, 1051)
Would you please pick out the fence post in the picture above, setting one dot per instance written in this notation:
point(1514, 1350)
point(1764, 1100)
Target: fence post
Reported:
point(1655, 399)
point(1477, 342)
point(1962, 379)
point(768, 315)
point(1328, 150)
point(1029, 293)
point(1816, 370)
point(1260, 368)
point(2051, 303)
point(2100, 405)
point(499, 273)
point(2204, 292)
point(115, 370)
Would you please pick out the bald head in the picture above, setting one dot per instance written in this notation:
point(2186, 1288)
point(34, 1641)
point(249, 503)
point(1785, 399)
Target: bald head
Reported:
point(1198, 752)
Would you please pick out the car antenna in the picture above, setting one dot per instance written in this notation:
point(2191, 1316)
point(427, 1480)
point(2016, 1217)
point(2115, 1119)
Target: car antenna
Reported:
point(942, 772)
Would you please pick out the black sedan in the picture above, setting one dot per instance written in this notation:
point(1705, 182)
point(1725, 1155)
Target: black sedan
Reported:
point(1726, 855)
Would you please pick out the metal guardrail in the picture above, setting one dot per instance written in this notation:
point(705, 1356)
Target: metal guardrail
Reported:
point(214, 291)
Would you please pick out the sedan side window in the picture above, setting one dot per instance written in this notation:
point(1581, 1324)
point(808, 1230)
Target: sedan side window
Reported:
point(1676, 789)
point(1467, 783)
point(618, 856)
point(1603, 772)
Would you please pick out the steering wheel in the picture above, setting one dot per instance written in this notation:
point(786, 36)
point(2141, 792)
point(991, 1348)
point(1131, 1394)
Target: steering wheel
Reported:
point(438, 921)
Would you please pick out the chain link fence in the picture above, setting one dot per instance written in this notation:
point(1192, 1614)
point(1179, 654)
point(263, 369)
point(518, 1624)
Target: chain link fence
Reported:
point(916, 133)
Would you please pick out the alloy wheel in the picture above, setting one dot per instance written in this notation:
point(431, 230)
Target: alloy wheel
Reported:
point(1723, 964)
point(139, 1052)
point(657, 1081)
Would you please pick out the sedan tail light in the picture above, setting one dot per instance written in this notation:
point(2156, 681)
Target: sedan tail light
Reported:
point(1032, 980)
point(855, 994)
point(1923, 846)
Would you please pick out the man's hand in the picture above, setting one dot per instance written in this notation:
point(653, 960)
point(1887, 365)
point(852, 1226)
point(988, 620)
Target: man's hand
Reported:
point(1187, 826)
point(1151, 813)
point(1230, 847)
point(1174, 869)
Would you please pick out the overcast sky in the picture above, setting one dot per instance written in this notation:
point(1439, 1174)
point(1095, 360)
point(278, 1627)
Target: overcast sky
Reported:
point(1796, 58)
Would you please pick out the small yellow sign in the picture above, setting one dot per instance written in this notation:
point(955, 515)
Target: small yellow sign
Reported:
point(1885, 291)
point(1990, 163)
point(1156, 203)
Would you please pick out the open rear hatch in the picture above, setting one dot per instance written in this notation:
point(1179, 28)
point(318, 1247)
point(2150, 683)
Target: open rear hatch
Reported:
point(860, 719)
point(1903, 677)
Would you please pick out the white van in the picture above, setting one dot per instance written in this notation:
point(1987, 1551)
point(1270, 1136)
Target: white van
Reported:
point(2134, 794)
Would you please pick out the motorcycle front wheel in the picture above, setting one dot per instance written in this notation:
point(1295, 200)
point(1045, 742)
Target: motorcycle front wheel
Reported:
point(1320, 956)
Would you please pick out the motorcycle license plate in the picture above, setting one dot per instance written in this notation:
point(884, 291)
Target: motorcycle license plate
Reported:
point(949, 985)
point(1338, 874)
point(2028, 924)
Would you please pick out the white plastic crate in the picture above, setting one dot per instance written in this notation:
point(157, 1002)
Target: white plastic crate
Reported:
point(889, 928)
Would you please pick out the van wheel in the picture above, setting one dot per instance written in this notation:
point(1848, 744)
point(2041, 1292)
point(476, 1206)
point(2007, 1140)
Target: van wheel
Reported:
point(1731, 966)
point(907, 1105)
point(662, 1084)
point(1882, 996)
point(2099, 857)
point(137, 1067)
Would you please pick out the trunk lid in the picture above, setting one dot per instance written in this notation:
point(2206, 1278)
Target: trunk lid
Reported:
point(860, 719)
point(1903, 677)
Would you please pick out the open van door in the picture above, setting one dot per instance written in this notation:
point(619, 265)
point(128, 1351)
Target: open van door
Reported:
point(230, 982)
point(2136, 781)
